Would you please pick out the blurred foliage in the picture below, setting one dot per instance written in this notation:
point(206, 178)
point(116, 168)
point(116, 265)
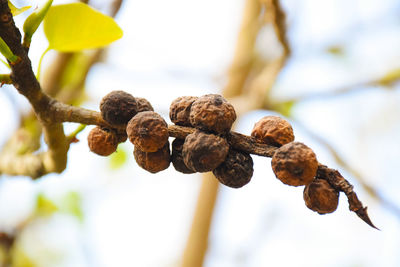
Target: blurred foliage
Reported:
point(119, 158)
point(71, 203)
point(19, 257)
point(336, 50)
point(75, 70)
point(285, 108)
point(390, 77)
point(44, 206)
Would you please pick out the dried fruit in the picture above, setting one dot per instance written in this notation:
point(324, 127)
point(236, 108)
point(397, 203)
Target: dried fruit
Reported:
point(273, 130)
point(102, 141)
point(143, 104)
point(237, 169)
point(321, 197)
point(153, 161)
point(212, 113)
point(295, 164)
point(148, 131)
point(118, 107)
point(204, 152)
point(177, 158)
point(121, 136)
point(179, 110)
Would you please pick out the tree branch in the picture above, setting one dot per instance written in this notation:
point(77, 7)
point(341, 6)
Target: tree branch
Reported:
point(24, 80)
point(52, 113)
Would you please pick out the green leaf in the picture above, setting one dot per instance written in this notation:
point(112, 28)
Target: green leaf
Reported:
point(15, 10)
point(118, 159)
point(76, 26)
point(45, 206)
point(6, 52)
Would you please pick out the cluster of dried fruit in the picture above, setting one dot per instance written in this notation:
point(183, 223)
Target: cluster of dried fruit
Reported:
point(296, 164)
point(117, 108)
point(206, 147)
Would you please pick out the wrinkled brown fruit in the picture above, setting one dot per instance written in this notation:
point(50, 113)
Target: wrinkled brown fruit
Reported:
point(236, 171)
point(143, 104)
point(147, 131)
point(102, 141)
point(295, 164)
point(273, 130)
point(177, 158)
point(212, 113)
point(321, 197)
point(179, 110)
point(153, 161)
point(204, 152)
point(118, 107)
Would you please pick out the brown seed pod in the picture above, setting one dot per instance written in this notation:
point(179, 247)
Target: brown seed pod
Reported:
point(118, 107)
point(153, 161)
point(179, 110)
point(273, 130)
point(236, 171)
point(177, 158)
point(148, 131)
point(212, 113)
point(143, 104)
point(102, 141)
point(204, 152)
point(321, 197)
point(295, 164)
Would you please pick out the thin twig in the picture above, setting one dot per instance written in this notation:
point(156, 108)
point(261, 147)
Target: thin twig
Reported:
point(344, 165)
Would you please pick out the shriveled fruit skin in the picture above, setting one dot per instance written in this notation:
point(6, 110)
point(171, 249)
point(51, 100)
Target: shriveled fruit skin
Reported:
point(102, 141)
point(203, 152)
point(295, 164)
point(143, 104)
point(148, 131)
point(321, 197)
point(153, 161)
point(177, 158)
point(212, 113)
point(118, 107)
point(179, 110)
point(236, 171)
point(273, 130)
